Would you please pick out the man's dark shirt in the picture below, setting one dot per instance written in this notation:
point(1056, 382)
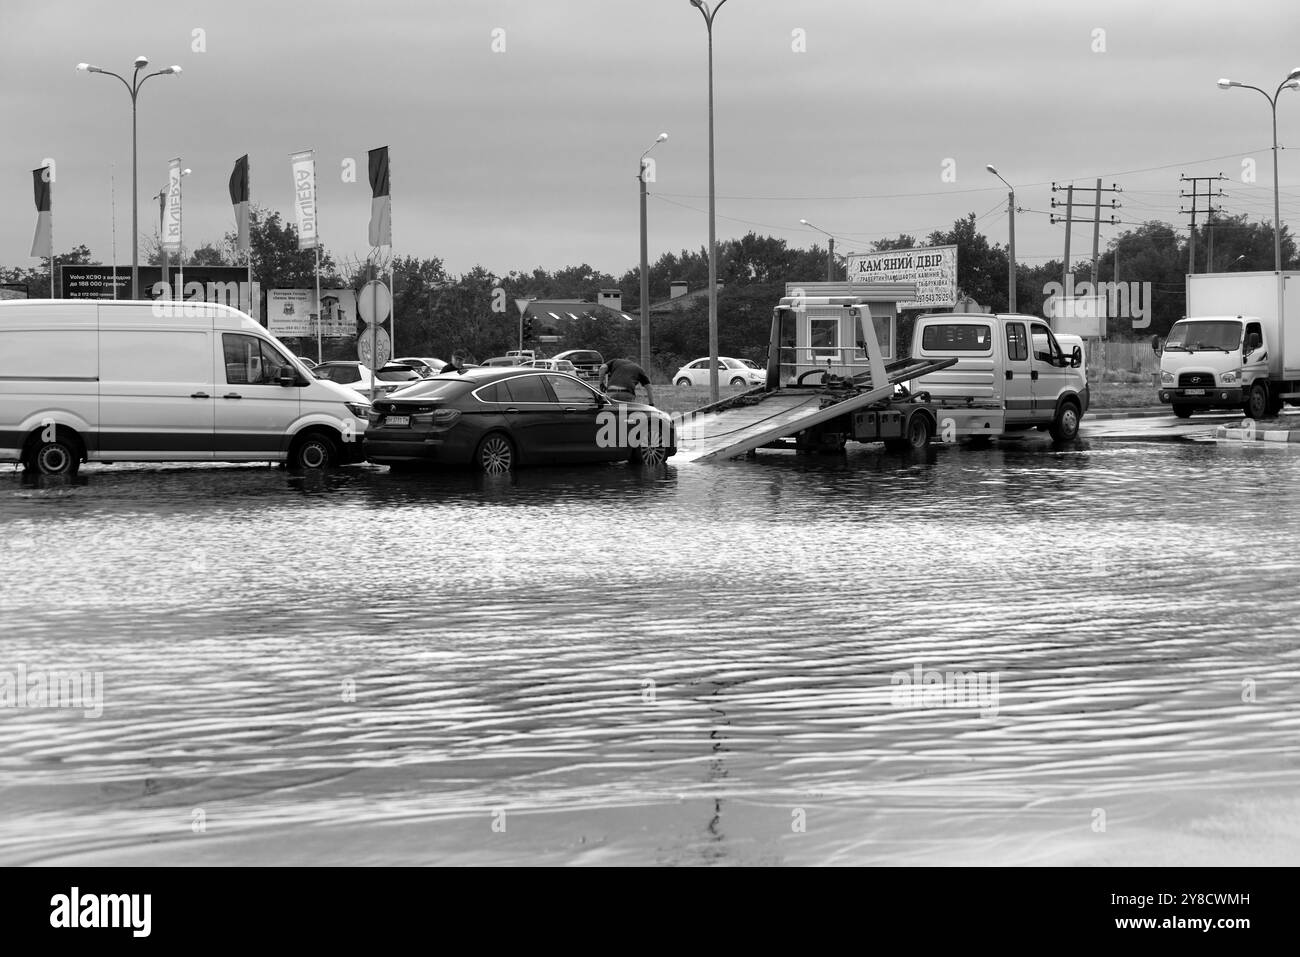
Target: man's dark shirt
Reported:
point(626, 374)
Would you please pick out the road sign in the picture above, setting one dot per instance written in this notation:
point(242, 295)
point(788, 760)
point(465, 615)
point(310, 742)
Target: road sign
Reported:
point(374, 302)
point(382, 345)
point(522, 305)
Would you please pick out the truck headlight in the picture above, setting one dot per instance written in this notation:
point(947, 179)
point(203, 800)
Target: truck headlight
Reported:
point(1228, 377)
point(1166, 378)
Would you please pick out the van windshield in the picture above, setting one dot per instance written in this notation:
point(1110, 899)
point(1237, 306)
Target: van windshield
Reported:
point(1204, 335)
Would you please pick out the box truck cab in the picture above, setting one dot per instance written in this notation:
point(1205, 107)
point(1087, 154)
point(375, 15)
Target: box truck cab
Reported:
point(1217, 362)
point(129, 381)
point(1012, 373)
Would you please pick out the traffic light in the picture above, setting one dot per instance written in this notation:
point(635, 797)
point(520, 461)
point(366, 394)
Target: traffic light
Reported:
point(528, 327)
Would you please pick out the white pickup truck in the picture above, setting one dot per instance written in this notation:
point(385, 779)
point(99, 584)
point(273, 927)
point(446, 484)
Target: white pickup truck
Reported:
point(1012, 373)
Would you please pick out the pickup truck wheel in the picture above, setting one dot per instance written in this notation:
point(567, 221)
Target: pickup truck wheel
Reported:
point(1066, 426)
point(1183, 411)
point(1256, 404)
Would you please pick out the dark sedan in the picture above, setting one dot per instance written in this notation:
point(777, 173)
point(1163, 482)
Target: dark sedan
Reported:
point(501, 418)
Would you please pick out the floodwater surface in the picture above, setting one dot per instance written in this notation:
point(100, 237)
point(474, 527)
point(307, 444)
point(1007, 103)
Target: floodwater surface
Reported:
point(1017, 654)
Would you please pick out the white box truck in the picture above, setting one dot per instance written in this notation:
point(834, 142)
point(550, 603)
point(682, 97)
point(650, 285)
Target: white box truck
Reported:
point(129, 381)
point(1228, 353)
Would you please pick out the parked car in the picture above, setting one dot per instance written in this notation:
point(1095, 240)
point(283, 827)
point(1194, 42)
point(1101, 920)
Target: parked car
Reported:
point(118, 382)
point(354, 375)
point(586, 361)
point(496, 419)
point(527, 355)
point(425, 366)
point(732, 371)
point(309, 363)
point(554, 365)
point(498, 361)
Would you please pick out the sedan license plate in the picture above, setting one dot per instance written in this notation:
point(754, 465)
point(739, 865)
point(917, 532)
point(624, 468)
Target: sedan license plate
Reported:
point(397, 420)
point(1193, 392)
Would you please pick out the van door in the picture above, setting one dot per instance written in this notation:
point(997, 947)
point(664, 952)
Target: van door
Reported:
point(1017, 374)
point(155, 387)
point(1048, 375)
point(254, 413)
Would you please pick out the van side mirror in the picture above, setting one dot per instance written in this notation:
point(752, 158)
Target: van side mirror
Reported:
point(1076, 357)
point(288, 377)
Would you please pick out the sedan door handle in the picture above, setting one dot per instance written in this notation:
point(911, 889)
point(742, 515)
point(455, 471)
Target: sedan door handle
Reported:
point(199, 395)
point(510, 410)
point(232, 395)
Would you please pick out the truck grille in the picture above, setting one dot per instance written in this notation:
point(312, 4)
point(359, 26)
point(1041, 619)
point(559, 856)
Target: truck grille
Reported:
point(1195, 380)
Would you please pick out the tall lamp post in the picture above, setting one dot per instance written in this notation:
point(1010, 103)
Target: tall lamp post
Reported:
point(133, 88)
point(1291, 82)
point(645, 261)
point(830, 250)
point(709, 15)
point(1011, 241)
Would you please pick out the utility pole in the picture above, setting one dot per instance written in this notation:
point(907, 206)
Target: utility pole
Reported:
point(830, 260)
point(1195, 196)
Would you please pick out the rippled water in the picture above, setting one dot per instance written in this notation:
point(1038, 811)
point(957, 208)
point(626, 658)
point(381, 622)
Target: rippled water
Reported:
point(700, 665)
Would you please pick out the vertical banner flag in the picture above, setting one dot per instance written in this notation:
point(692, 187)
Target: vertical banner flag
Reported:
point(304, 197)
point(381, 216)
point(43, 241)
point(171, 239)
point(239, 199)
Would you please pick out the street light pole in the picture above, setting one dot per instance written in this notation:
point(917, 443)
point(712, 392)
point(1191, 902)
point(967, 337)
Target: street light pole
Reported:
point(830, 250)
point(645, 262)
point(133, 88)
point(708, 15)
point(1011, 242)
point(1291, 82)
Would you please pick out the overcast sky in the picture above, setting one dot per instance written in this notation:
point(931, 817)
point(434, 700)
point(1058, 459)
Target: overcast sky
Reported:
point(838, 111)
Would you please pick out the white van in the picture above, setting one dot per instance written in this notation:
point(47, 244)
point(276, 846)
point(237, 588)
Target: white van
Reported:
point(129, 381)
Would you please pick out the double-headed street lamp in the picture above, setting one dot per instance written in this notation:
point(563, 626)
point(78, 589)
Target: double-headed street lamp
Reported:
point(1011, 243)
point(133, 88)
point(645, 264)
point(709, 15)
point(1292, 81)
point(830, 250)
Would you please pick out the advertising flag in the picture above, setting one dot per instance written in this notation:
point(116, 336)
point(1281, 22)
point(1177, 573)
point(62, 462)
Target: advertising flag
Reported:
point(239, 199)
point(43, 241)
point(381, 214)
point(171, 239)
point(304, 197)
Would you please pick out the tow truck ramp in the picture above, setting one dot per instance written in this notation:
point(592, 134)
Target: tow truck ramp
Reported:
point(761, 417)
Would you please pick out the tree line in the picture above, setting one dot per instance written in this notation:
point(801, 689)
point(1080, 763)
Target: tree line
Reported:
point(438, 313)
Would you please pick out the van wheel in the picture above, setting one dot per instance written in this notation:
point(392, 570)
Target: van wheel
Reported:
point(55, 458)
point(316, 451)
point(1256, 404)
point(1066, 426)
point(495, 455)
point(1183, 411)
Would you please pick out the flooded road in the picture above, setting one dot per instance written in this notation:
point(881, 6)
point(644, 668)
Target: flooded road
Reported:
point(1008, 655)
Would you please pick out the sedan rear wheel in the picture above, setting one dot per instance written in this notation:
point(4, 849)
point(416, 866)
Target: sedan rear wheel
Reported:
point(496, 455)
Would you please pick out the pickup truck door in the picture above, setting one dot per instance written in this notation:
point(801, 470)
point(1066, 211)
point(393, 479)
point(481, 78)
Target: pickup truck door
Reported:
point(1048, 377)
point(1017, 382)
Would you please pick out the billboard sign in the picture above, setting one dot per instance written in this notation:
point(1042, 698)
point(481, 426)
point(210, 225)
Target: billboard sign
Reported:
point(1083, 316)
point(932, 268)
point(292, 312)
point(223, 284)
